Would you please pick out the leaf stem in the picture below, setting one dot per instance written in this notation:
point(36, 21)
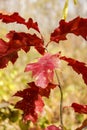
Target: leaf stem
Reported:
point(61, 94)
point(61, 100)
point(47, 44)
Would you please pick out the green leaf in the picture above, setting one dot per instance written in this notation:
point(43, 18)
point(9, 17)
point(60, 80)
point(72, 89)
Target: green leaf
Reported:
point(14, 115)
point(23, 125)
point(65, 9)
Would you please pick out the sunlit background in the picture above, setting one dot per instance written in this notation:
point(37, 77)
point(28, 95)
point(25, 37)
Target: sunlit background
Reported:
point(47, 13)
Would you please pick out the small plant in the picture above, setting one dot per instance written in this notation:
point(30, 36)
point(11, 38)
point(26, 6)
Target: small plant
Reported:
point(45, 68)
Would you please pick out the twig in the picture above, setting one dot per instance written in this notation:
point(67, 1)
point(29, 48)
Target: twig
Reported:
point(61, 100)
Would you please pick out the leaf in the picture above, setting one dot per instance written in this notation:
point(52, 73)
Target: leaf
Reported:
point(83, 126)
point(43, 70)
point(27, 40)
point(31, 104)
point(77, 26)
point(31, 24)
point(17, 41)
point(79, 67)
point(79, 108)
point(65, 9)
point(15, 17)
point(43, 91)
point(53, 127)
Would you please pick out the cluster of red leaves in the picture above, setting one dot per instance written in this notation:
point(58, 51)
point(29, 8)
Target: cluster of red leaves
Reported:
point(43, 70)
point(18, 40)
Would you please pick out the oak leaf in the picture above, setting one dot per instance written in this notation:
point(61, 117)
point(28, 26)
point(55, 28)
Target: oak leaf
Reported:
point(77, 26)
point(43, 70)
point(43, 91)
point(15, 17)
point(79, 108)
point(31, 103)
point(79, 67)
point(17, 41)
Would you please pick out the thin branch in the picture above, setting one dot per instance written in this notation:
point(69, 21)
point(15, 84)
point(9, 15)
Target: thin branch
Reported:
point(47, 44)
point(61, 100)
point(61, 94)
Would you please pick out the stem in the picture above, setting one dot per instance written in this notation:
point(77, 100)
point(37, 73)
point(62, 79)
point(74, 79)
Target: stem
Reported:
point(61, 94)
point(47, 44)
point(61, 100)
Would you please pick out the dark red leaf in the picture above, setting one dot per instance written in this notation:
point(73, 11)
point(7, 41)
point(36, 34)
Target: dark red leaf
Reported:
point(43, 70)
point(77, 26)
point(17, 41)
point(31, 104)
point(31, 24)
point(79, 108)
point(15, 17)
point(79, 67)
point(53, 127)
point(7, 54)
point(27, 40)
point(43, 91)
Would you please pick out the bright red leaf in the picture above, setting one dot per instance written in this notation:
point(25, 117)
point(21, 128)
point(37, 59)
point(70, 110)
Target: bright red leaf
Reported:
point(79, 67)
point(31, 104)
point(53, 127)
point(77, 26)
point(17, 41)
point(15, 17)
point(79, 108)
point(43, 70)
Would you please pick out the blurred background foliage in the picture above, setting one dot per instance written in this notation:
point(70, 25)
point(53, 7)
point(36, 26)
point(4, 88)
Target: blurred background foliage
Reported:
point(47, 13)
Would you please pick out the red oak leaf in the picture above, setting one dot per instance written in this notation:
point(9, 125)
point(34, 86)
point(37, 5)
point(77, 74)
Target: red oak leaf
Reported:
point(31, 104)
point(53, 127)
point(79, 108)
point(43, 91)
point(17, 41)
point(27, 39)
point(77, 26)
point(31, 24)
point(43, 70)
point(15, 17)
point(6, 54)
point(79, 67)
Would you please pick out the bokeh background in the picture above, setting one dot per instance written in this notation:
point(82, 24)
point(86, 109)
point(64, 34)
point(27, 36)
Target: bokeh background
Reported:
point(47, 13)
